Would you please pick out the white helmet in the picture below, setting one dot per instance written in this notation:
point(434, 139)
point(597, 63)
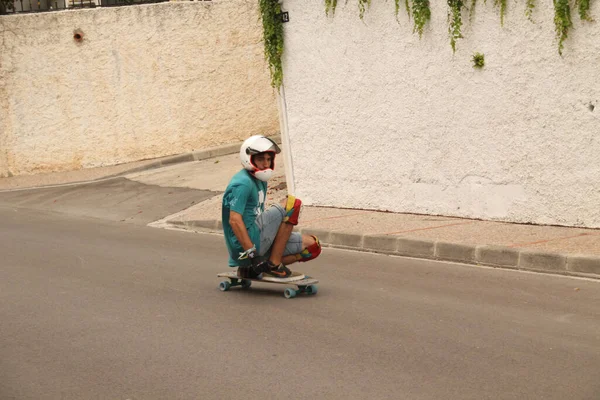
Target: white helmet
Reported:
point(254, 145)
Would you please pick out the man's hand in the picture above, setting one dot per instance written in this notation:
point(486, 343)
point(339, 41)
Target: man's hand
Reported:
point(249, 254)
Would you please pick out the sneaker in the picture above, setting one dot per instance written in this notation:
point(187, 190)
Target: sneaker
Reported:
point(280, 271)
point(264, 266)
point(247, 273)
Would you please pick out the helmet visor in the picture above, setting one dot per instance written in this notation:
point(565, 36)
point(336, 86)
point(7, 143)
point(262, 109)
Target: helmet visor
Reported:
point(262, 148)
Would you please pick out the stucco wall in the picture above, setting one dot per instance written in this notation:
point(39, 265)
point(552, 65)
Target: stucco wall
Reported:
point(378, 119)
point(146, 81)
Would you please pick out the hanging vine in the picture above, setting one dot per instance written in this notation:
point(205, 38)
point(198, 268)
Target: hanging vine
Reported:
point(454, 21)
point(421, 14)
point(584, 9)
point(330, 6)
point(472, 9)
point(562, 21)
point(397, 8)
point(273, 37)
point(529, 9)
point(502, 5)
point(363, 5)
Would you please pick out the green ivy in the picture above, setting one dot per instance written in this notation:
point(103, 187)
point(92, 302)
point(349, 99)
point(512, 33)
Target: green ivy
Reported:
point(421, 14)
point(363, 5)
point(497, 3)
point(472, 9)
point(397, 8)
point(584, 8)
point(562, 21)
point(502, 5)
point(454, 21)
point(330, 6)
point(529, 9)
point(478, 60)
point(270, 11)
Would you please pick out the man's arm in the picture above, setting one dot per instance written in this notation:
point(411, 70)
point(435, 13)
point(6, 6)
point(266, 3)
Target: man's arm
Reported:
point(239, 229)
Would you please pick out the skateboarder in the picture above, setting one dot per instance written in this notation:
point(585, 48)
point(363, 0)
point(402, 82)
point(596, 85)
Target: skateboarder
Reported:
point(262, 241)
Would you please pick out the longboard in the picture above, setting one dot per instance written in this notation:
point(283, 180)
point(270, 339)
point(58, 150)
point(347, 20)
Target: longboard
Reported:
point(304, 284)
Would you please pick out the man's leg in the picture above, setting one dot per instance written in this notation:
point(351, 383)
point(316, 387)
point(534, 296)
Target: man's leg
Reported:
point(311, 248)
point(281, 239)
point(299, 248)
point(284, 218)
point(290, 219)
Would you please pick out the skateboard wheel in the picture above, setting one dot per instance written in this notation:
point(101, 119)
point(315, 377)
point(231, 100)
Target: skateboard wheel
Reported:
point(224, 286)
point(312, 289)
point(246, 283)
point(289, 293)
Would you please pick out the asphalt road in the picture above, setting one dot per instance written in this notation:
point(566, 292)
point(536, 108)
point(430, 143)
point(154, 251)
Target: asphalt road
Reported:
point(96, 309)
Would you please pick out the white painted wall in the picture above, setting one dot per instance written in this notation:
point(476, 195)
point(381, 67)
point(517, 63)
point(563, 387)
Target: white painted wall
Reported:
point(378, 119)
point(146, 81)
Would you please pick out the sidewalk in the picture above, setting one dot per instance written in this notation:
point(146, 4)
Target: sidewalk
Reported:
point(572, 251)
point(553, 249)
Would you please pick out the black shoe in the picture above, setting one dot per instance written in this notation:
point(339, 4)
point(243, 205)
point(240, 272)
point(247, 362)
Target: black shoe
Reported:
point(247, 273)
point(280, 271)
point(263, 266)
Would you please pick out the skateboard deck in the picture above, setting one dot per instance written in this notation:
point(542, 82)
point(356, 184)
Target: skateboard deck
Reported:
point(303, 283)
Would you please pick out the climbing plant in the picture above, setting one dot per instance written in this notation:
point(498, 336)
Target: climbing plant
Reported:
point(562, 21)
point(529, 9)
point(330, 6)
point(454, 21)
point(472, 9)
point(478, 60)
point(502, 5)
point(362, 7)
point(397, 7)
point(584, 8)
point(270, 11)
point(421, 14)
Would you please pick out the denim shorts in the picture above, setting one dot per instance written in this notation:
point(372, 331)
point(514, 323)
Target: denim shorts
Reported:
point(268, 224)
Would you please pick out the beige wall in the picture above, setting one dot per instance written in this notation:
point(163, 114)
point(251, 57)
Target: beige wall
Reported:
point(146, 81)
point(380, 119)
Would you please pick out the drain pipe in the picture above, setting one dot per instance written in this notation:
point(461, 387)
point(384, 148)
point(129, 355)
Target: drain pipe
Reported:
point(285, 141)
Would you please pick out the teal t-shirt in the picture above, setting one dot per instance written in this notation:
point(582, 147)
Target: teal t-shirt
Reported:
point(246, 196)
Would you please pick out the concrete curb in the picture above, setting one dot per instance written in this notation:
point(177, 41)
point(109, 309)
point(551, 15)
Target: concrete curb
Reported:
point(188, 157)
point(491, 256)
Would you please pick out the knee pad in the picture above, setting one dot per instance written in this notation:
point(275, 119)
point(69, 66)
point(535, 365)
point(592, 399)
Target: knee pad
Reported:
point(292, 210)
point(311, 252)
